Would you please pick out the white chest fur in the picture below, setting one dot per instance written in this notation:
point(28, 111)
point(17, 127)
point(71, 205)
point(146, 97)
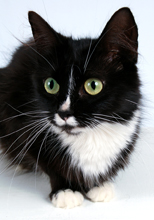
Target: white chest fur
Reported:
point(94, 149)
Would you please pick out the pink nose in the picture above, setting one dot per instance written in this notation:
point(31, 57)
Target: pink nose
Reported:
point(65, 114)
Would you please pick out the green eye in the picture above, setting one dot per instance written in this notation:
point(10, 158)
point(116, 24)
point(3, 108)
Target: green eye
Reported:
point(93, 86)
point(51, 86)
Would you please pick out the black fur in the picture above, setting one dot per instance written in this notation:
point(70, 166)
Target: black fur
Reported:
point(23, 99)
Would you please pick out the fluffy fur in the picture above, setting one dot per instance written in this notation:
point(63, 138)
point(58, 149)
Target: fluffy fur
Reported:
point(79, 140)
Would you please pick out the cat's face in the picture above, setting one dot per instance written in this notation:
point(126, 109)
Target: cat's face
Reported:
point(82, 83)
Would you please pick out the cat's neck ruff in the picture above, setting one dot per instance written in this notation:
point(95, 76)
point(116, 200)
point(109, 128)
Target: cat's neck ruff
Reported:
point(94, 150)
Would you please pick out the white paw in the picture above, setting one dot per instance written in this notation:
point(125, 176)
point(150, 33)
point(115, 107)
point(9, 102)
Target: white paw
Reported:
point(101, 194)
point(67, 199)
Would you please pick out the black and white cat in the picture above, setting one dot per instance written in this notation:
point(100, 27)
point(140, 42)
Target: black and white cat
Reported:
point(72, 107)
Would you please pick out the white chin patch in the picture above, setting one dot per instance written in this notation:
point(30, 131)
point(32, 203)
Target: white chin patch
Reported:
point(94, 149)
point(71, 121)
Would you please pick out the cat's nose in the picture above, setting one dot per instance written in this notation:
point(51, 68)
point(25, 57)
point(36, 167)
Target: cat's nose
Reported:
point(65, 114)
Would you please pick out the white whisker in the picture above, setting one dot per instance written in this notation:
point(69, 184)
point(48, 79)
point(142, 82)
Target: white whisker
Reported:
point(23, 155)
point(46, 135)
point(85, 67)
point(36, 130)
point(36, 52)
point(87, 56)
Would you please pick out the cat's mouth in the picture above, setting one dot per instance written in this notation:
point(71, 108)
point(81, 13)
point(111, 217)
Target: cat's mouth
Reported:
point(70, 130)
point(70, 126)
point(67, 129)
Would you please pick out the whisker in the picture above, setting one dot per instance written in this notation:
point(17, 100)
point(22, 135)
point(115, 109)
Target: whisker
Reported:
point(37, 127)
point(45, 10)
point(135, 103)
point(102, 119)
point(30, 112)
point(109, 116)
point(41, 147)
point(34, 114)
point(19, 129)
point(35, 137)
point(27, 103)
point(95, 48)
point(54, 150)
point(6, 152)
point(26, 44)
point(87, 56)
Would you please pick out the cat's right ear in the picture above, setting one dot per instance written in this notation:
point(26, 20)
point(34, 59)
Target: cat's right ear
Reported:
point(44, 36)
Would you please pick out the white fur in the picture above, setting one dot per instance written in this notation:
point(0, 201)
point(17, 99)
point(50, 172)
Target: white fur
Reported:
point(67, 199)
point(70, 121)
point(101, 194)
point(66, 105)
point(71, 82)
point(93, 150)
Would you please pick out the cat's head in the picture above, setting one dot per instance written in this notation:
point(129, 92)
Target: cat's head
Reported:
point(88, 81)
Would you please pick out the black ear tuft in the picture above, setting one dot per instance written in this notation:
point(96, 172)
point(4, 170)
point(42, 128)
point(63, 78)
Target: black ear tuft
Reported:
point(123, 21)
point(44, 35)
point(120, 35)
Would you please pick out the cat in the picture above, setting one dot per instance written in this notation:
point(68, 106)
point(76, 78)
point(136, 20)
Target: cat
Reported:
point(71, 107)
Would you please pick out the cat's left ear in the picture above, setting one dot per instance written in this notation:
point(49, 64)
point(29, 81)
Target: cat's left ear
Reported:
point(44, 35)
point(120, 36)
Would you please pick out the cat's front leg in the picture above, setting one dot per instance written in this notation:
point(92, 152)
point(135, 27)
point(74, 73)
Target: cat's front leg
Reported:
point(102, 193)
point(63, 195)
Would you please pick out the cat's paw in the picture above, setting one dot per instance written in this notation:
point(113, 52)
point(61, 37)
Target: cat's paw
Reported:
point(67, 199)
point(101, 194)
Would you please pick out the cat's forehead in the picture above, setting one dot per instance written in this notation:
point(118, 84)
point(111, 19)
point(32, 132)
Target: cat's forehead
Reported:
point(73, 58)
point(81, 44)
point(81, 48)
